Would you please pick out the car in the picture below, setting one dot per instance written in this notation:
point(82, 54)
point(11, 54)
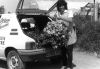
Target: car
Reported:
point(17, 40)
point(88, 9)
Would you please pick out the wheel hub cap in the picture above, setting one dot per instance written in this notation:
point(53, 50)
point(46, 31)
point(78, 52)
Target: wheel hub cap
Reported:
point(14, 62)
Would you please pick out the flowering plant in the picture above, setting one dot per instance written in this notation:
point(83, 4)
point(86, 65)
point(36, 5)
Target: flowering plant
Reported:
point(56, 33)
point(56, 27)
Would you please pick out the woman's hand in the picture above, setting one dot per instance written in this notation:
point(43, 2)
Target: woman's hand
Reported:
point(54, 19)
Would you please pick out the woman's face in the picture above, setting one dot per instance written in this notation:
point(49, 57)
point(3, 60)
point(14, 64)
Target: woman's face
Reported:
point(62, 9)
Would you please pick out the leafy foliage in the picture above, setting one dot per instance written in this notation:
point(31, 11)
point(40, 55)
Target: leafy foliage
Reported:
point(55, 33)
point(88, 34)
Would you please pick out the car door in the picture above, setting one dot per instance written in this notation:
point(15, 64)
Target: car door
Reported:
point(4, 23)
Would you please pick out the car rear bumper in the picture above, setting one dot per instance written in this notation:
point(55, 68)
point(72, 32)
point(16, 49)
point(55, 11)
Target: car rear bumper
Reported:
point(31, 52)
point(47, 53)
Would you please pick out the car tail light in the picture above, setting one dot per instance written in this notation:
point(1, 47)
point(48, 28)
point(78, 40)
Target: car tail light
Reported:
point(30, 45)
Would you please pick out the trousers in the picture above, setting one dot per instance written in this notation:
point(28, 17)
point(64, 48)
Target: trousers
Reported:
point(67, 55)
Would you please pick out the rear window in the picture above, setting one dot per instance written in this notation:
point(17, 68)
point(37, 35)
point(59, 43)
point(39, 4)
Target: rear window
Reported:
point(38, 4)
point(30, 4)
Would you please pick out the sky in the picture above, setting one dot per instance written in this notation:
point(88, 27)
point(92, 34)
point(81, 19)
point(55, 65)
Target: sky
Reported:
point(10, 5)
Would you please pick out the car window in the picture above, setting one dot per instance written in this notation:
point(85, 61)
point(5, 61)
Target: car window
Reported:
point(90, 5)
point(38, 4)
point(30, 4)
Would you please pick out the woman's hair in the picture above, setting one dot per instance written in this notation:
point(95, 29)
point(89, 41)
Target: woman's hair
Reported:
point(61, 3)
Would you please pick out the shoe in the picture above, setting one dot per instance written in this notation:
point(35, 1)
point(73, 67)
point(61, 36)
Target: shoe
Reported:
point(63, 67)
point(68, 68)
point(71, 66)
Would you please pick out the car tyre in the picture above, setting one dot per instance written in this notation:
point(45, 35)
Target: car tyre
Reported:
point(14, 61)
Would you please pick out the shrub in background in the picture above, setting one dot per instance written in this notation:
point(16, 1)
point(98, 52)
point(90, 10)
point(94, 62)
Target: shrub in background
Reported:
point(2, 9)
point(88, 33)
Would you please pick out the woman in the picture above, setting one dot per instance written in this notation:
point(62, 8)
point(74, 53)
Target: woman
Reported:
point(64, 14)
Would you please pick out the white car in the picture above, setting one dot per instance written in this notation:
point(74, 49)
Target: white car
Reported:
point(16, 45)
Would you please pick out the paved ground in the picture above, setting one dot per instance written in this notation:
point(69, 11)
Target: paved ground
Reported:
point(83, 60)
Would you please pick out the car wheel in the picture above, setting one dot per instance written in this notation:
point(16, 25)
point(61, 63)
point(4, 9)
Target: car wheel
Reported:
point(14, 61)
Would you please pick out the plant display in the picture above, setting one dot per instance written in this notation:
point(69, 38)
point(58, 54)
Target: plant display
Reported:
point(55, 33)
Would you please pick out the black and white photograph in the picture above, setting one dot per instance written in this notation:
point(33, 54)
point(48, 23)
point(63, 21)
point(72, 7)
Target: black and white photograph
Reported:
point(49, 34)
